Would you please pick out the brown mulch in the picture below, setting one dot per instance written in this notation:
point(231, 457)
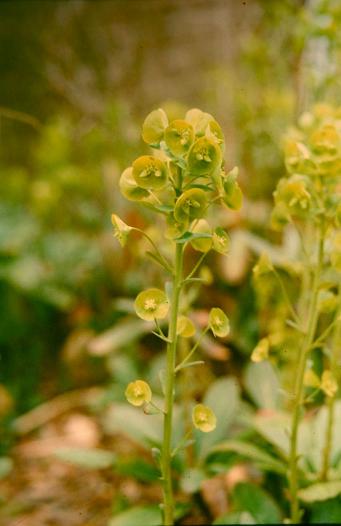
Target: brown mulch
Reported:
point(42, 490)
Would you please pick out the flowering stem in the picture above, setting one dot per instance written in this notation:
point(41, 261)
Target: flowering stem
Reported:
point(168, 499)
point(298, 391)
point(331, 399)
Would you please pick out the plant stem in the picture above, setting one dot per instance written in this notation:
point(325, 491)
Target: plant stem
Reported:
point(299, 388)
point(331, 400)
point(168, 499)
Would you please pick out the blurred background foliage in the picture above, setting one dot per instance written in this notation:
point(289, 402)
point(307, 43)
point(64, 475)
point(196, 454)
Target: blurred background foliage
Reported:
point(77, 78)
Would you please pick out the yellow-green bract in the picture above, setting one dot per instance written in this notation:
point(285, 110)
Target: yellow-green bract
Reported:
point(138, 393)
point(151, 304)
point(204, 418)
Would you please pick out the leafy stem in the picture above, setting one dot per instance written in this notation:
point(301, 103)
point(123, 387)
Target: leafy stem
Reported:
point(168, 499)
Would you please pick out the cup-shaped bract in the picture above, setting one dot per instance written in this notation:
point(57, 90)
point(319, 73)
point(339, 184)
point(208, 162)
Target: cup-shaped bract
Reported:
point(150, 172)
point(138, 393)
point(221, 241)
point(185, 327)
point(298, 158)
point(129, 189)
point(179, 137)
point(175, 228)
point(202, 244)
point(151, 304)
point(325, 140)
point(121, 229)
point(232, 196)
point(154, 127)
point(219, 322)
point(192, 204)
point(261, 351)
point(327, 301)
point(204, 157)
point(294, 193)
point(203, 418)
point(200, 120)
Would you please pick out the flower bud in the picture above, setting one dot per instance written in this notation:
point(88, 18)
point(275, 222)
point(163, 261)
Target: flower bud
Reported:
point(219, 323)
point(179, 137)
point(203, 418)
point(329, 384)
point(185, 327)
point(129, 189)
point(263, 266)
point(311, 379)
point(151, 304)
point(221, 241)
point(327, 301)
point(154, 126)
point(150, 172)
point(121, 229)
point(261, 351)
point(192, 204)
point(232, 197)
point(204, 157)
point(138, 393)
point(205, 244)
point(280, 217)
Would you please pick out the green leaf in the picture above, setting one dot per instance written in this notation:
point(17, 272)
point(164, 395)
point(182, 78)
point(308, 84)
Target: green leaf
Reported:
point(251, 498)
point(165, 209)
point(124, 332)
point(327, 512)
point(138, 516)
point(255, 453)
point(223, 398)
point(157, 259)
point(143, 429)
point(262, 384)
point(275, 429)
point(139, 469)
point(87, 458)
point(188, 236)
point(320, 491)
point(240, 517)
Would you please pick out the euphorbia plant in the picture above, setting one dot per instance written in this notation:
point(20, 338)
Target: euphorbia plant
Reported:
point(180, 183)
point(309, 199)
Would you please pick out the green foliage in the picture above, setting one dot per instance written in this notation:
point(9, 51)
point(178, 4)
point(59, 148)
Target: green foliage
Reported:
point(251, 498)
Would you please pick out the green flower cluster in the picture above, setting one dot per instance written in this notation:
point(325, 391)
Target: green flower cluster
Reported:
point(311, 191)
point(184, 176)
